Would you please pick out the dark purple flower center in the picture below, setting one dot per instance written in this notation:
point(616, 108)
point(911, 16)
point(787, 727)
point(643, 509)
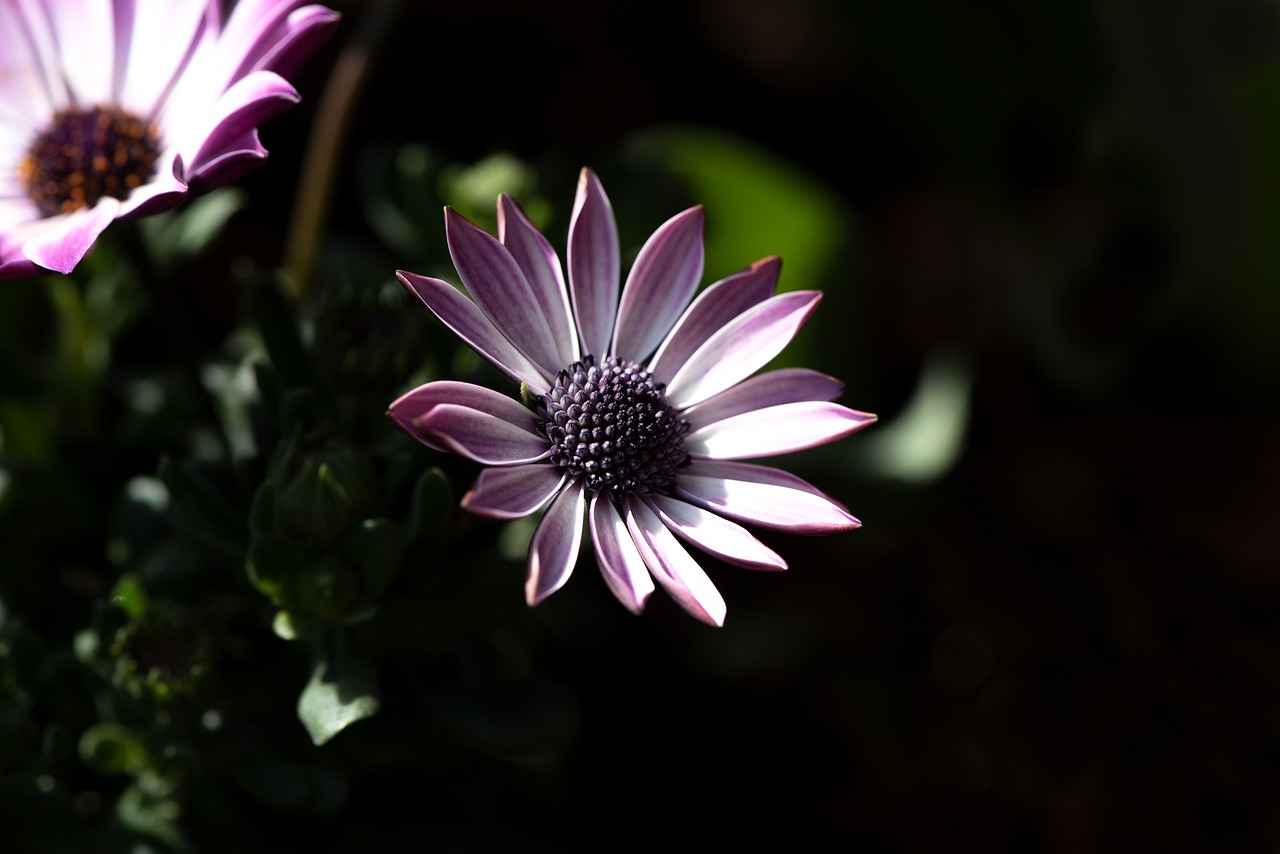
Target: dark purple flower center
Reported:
point(87, 154)
point(611, 427)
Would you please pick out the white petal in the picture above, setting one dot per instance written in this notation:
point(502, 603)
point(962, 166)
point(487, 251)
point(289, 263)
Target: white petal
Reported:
point(594, 265)
point(661, 283)
point(726, 540)
point(553, 551)
point(513, 492)
point(156, 45)
point(85, 33)
point(741, 347)
point(775, 430)
point(620, 561)
point(671, 565)
point(479, 436)
point(541, 266)
point(764, 496)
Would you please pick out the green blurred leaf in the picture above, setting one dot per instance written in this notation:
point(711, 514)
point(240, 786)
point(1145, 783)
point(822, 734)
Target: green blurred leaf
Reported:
point(342, 690)
point(758, 203)
point(129, 595)
point(108, 748)
point(187, 231)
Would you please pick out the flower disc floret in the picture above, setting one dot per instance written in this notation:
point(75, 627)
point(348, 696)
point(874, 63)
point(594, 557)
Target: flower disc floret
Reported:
point(611, 427)
point(87, 154)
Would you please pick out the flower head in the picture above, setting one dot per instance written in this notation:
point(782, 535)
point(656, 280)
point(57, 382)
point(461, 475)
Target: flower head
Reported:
point(641, 402)
point(122, 108)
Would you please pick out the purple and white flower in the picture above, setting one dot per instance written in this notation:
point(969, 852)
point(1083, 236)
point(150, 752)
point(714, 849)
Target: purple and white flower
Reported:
point(122, 108)
point(639, 404)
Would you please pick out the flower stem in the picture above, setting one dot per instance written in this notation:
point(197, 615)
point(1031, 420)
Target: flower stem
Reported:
point(324, 148)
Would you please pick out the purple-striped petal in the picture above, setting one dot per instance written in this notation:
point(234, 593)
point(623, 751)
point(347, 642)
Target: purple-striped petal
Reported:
point(513, 492)
point(238, 158)
point(479, 436)
point(290, 42)
point(719, 303)
point(620, 562)
point(412, 405)
point(775, 430)
point(470, 324)
point(541, 266)
point(61, 243)
point(164, 191)
point(553, 551)
point(661, 283)
point(763, 496)
point(498, 286)
point(672, 566)
point(14, 266)
point(727, 540)
point(741, 347)
point(246, 104)
point(772, 388)
point(594, 265)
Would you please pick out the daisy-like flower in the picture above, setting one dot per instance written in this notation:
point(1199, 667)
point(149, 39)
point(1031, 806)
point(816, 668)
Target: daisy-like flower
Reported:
point(123, 108)
point(638, 404)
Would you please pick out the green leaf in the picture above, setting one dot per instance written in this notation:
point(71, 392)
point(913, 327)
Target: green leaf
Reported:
point(342, 690)
point(108, 748)
point(129, 595)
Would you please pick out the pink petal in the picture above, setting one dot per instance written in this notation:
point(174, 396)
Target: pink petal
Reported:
point(513, 492)
point(165, 190)
point(713, 308)
point(238, 158)
point(553, 551)
point(498, 286)
point(594, 265)
point(273, 34)
point(63, 241)
point(479, 436)
point(671, 565)
point(763, 496)
point(542, 270)
point(726, 540)
point(775, 430)
point(661, 283)
point(243, 107)
point(469, 323)
point(741, 347)
point(620, 562)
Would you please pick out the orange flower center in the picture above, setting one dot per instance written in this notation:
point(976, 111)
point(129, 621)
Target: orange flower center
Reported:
point(86, 155)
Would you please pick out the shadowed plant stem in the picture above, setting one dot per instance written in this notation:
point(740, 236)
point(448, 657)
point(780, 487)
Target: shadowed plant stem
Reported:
point(324, 148)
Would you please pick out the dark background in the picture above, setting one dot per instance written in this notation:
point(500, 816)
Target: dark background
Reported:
point(1062, 637)
point(1065, 639)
